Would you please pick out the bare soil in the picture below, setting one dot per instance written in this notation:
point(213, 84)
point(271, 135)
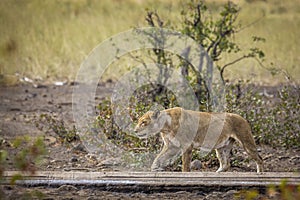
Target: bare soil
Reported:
point(20, 108)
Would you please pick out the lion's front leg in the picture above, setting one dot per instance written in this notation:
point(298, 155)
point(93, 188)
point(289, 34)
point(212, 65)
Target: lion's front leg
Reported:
point(166, 157)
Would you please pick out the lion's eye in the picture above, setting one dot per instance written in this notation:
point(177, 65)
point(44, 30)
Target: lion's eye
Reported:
point(143, 124)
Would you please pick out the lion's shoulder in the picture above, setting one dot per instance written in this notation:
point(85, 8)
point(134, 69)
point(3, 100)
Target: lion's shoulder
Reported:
point(174, 112)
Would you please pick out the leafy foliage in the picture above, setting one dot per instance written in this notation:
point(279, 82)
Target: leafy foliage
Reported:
point(283, 192)
point(29, 152)
point(49, 122)
point(274, 118)
point(3, 156)
point(142, 100)
point(216, 36)
point(213, 35)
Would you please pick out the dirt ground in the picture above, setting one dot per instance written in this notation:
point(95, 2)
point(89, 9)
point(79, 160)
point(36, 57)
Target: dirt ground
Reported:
point(68, 192)
point(20, 108)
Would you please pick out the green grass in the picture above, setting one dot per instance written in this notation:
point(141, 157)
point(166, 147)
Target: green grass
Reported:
point(50, 39)
point(278, 23)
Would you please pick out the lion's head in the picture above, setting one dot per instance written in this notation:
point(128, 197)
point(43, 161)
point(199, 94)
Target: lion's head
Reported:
point(151, 123)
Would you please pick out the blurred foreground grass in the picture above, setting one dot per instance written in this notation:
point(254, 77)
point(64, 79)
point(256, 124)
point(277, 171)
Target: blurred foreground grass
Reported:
point(49, 39)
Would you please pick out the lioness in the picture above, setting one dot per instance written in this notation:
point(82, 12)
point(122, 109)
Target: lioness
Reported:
point(182, 130)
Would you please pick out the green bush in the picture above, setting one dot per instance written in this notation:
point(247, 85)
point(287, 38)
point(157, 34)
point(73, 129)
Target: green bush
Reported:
point(29, 153)
point(46, 122)
point(274, 118)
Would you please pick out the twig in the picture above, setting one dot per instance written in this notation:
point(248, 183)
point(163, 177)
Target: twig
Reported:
point(231, 63)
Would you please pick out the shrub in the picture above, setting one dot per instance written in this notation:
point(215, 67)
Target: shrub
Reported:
point(274, 118)
point(29, 153)
point(48, 122)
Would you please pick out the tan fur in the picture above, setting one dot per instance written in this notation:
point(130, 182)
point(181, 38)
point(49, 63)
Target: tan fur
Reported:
point(183, 130)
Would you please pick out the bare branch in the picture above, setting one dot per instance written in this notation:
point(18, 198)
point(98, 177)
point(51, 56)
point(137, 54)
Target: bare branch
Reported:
point(231, 63)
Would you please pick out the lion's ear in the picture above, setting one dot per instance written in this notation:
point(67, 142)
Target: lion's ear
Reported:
point(155, 114)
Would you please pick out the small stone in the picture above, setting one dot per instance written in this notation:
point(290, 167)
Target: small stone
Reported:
point(74, 159)
point(50, 140)
point(295, 160)
point(60, 83)
point(39, 86)
point(67, 188)
point(91, 157)
point(8, 187)
point(111, 162)
point(72, 83)
point(79, 147)
point(91, 198)
point(196, 165)
point(82, 193)
point(230, 194)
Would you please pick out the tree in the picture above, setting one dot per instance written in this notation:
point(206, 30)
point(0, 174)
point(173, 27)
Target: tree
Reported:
point(214, 35)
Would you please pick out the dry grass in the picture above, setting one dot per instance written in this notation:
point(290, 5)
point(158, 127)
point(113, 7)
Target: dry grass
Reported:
point(50, 39)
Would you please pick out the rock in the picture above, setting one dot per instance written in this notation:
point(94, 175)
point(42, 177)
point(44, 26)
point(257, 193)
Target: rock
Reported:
point(67, 188)
point(4, 142)
point(15, 109)
point(230, 194)
point(72, 83)
point(79, 147)
point(110, 162)
point(92, 198)
point(50, 140)
point(74, 159)
point(295, 159)
point(196, 165)
point(82, 193)
point(32, 95)
point(91, 157)
point(60, 83)
point(213, 196)
point(40, 86)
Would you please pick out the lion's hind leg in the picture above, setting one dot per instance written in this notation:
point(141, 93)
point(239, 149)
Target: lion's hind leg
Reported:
point(249, 146)
point(251, 150)
point(223, 155)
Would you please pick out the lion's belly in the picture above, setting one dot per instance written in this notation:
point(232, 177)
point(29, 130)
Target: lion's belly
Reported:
point(206, 145)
